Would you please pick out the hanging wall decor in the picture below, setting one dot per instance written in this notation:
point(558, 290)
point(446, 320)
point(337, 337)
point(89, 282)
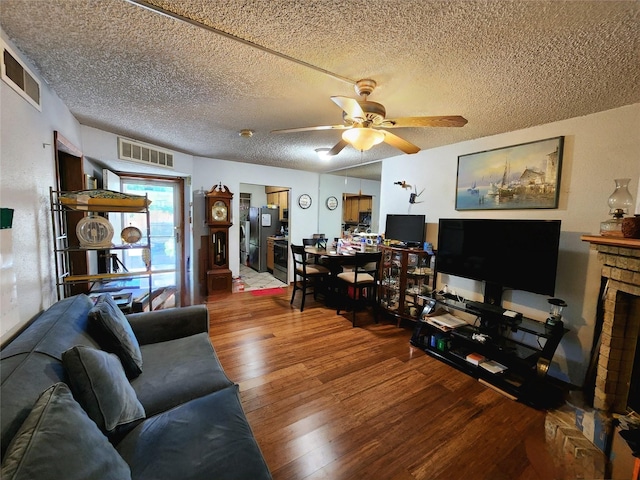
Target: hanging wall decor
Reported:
point(516, 177)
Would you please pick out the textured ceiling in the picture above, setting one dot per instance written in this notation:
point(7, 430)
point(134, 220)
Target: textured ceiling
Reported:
point(503, 65)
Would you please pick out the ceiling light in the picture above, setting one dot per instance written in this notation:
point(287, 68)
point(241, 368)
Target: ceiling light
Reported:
point(323, 153)
point(246, 133)
point(363, 138)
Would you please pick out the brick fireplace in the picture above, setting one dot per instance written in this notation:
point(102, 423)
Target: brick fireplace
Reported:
point(618, 326)
point(620, 259)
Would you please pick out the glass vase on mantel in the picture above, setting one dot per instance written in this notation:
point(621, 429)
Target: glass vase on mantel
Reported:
point(619, 203)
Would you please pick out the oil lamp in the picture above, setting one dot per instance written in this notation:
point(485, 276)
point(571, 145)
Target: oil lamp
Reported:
point(619, 203)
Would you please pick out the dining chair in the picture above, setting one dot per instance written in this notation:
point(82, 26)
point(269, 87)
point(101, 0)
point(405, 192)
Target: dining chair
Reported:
point(359, 287)
point(307, 275)
point(320, 239)
point(310, 242)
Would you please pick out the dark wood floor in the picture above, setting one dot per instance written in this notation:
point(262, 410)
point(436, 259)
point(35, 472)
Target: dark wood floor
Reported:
point(328, 401)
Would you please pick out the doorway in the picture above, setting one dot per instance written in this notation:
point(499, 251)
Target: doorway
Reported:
point(168, 251)
point(265, 222)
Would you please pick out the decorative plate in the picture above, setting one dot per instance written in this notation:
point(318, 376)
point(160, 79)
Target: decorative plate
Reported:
point(332, 203)
point(131, 234)
point(304, 201)
point(94, 232)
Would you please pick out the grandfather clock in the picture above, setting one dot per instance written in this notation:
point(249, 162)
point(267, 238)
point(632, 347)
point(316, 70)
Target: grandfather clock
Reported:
point(218, 208)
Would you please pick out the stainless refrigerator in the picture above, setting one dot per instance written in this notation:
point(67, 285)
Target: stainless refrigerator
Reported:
point(263, 222)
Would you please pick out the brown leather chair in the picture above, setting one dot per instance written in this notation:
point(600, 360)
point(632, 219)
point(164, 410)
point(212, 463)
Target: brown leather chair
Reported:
point(360, 287)
point(307, 275)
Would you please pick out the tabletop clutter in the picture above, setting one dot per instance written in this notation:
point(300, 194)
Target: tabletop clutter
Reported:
point(350, 244)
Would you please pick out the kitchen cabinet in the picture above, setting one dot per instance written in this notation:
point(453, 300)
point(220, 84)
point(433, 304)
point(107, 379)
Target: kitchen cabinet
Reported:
point(354, 209)
point(351, 209)
point(283, 203)
point(270, 243)
point(272, 198)
point(278, 196)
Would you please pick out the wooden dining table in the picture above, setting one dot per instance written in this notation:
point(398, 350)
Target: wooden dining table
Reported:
point(334, 261)
point(331, 257)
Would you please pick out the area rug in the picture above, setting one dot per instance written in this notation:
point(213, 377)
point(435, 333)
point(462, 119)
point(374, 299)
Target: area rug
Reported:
point(267, 291)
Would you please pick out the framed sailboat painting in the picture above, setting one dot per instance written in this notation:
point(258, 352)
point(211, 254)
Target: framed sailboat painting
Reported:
point(517, 177)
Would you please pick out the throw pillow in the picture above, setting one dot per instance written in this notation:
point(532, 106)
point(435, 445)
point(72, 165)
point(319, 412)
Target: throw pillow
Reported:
point(113, 332)
point(59, 440)
point(100, 385)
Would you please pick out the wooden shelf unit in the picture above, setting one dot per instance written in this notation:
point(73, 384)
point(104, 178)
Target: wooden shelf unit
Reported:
point(65, 248)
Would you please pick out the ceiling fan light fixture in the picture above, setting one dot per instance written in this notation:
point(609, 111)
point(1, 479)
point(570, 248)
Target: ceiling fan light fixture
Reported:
point(363, 138)
point(323, 153)
point(246, 133)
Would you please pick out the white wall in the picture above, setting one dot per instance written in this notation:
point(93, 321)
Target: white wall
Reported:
point(27, 170)
point(597, 149)
point(257, 192)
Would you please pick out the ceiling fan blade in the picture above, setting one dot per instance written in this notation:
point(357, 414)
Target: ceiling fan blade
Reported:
point(400, 143)
point(307, 129)
point(337, 148)
point(350, 106)
point(443, 121)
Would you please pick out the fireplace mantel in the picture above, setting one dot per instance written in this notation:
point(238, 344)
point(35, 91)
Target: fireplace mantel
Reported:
point(620, 258)
point(612, 241)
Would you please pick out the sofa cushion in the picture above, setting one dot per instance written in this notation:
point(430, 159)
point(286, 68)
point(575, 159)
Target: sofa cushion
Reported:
point(100, 385)
point(177, 371)
point(21, 390)
point(58, 440)
point(58, 328)
point(218, 442)
point(114, 333)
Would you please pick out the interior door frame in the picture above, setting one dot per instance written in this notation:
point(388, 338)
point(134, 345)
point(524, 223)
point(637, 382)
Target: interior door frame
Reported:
point(69, 169)
point(185, 294)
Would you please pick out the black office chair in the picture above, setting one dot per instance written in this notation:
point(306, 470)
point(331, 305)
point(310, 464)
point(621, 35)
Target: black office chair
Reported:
point(307, 275)
point(360, 286)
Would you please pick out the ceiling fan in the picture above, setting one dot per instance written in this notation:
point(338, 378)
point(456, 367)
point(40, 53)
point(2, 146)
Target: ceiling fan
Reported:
point(363, 121)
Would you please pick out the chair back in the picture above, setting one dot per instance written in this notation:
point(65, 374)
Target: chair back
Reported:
point(321, 241)
point(309, 242)
point(299, 258)
point(369, 263)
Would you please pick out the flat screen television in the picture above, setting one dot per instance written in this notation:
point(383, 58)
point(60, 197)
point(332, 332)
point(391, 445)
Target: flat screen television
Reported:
point(408, 229)
point(504, 254)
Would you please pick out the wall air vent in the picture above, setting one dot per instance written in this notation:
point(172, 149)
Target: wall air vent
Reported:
point(19, 77)
point(148, 154)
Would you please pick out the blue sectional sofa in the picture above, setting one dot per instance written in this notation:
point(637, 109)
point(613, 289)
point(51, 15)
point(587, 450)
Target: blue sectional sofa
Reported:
point(76, 404)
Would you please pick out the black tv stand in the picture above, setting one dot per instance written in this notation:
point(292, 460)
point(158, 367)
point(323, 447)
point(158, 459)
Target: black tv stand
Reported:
point(484, 308)
point(523, 346)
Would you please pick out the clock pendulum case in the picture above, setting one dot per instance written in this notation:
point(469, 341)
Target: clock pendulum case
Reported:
point(218, 208)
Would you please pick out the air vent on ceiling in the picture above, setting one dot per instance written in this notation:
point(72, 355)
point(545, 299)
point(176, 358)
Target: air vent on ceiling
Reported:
point(139, 152)
point(19, 77)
